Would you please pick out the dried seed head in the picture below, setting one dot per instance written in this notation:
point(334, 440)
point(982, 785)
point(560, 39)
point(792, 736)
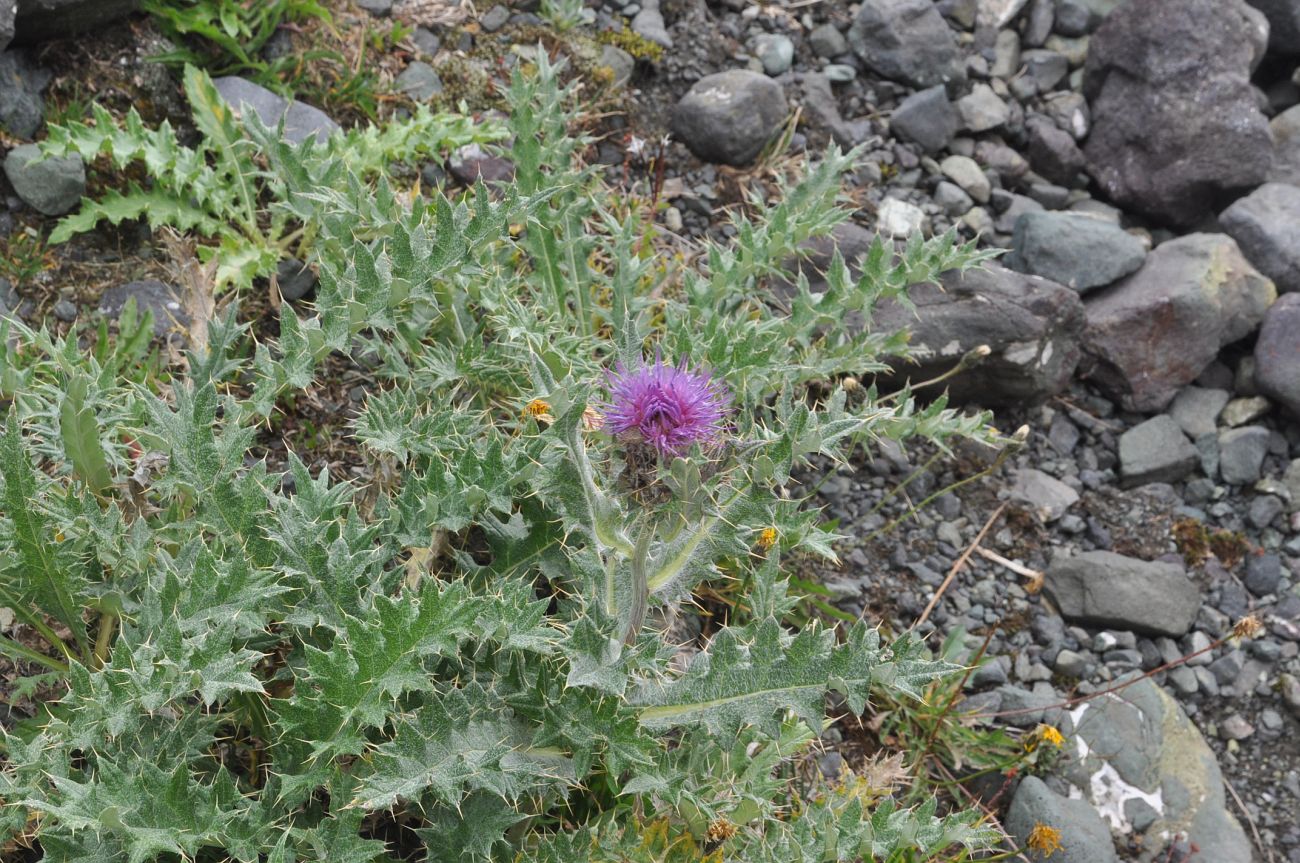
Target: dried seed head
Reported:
point(1248, 627)
point(540, 410)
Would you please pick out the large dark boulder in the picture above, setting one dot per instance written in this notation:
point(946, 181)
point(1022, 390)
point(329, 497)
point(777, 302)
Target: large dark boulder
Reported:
point(1030, 324)
point(38, 20)
point(1176, 128)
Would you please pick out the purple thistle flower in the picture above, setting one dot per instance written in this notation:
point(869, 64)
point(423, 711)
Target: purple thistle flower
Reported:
point(668, 407)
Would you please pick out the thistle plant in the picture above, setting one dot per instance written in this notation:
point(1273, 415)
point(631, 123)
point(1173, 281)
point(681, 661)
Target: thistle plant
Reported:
point(471, 649)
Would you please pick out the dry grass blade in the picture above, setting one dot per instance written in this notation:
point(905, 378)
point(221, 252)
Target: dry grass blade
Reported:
point(433, 13)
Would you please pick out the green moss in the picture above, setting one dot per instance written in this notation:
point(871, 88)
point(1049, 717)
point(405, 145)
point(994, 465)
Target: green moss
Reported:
point(633, 43)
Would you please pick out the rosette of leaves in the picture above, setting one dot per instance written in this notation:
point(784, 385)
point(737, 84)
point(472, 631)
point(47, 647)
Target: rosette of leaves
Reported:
point(470, 656)
point(219, 188)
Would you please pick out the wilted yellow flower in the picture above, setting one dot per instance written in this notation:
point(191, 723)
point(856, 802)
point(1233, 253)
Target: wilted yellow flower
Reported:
point(720, 831)
point(540, 410)
point(1045, 840)
point(1248, 627)
point(767, 538)
point(591, 419)
point(1044, 734)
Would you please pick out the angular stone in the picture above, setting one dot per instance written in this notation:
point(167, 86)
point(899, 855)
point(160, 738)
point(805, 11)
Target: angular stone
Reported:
point(907, 41)
point(1277, 353)
point(1176, 126)
point(419, 81)
point(1084, 837)
point(1285, 128)
point(1196, 410)
point(22, 107)
point(898, 219)
point(1104, 589)
point(1076, 250)
point(301, 121)
point(965, 172)
point(168, 313)
point(1048, 496)
point(1031, 325)
point(1155, 451)
point(1139, 745)
point(827, 41)
point(49, 186)
point(982, 109)
point(1241, 454)
point(927, 118)
point(1266, 225)
point(730, 116)
point(1053, 152)
point(1156, 330)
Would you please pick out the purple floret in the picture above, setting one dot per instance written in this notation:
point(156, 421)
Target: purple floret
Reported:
point(668, 407)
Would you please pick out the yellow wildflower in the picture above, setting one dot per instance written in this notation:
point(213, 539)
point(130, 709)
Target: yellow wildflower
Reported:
point(540, 410)
point(1044, 734)
point(1045, 840)
point(767, 538)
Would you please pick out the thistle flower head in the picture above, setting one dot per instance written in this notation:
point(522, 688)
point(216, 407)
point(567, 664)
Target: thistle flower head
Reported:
point(1044, 839)
point(668, 407)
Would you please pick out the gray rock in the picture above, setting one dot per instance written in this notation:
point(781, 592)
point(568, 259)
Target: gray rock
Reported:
point(1053, 152)
point(1290, 687)
point(301, 121)
point(927, 118)
point(1138, 744)
point(1264, 509)
point(1285, 128)
point(1236, 727)
point(1079, 17)
point(730, 116)
point(1155, 451)
point(1026, 708)
point(426, 41)
point(295, 279)
point(996, 14)
point(1196, 410)
point(840, 73)
point(1277, 353)
point(419, 81)
point(22, 107)
point(618, 61)
point(1241, 454)
point(7, 11)
point(378, 8)
point(49, 186)
point(1238, 412)
point(65, 311)
point(168, 313)
point(41, 20)
point(1084, 837)
point(1283, 24)
point(952, 199)
point(965, 172)
point(907, 41)
point(823, 110)
point(1070, 663)
point(982, 109)
point(649, 24)
point(1263, 573)
point(1047, 495)
point(1030, 324)
point(1176, 126)
point(1291, 482)
point(775, 51)
point(1074, 249)
point(1100, 588)
point(1046, 68)
point(1006, 51)
point(1266, 225)
point(1156, 330)
point(827, 41)
point(494, 19)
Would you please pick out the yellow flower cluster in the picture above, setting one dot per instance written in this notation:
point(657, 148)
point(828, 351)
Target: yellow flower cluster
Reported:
point(1045, 840)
